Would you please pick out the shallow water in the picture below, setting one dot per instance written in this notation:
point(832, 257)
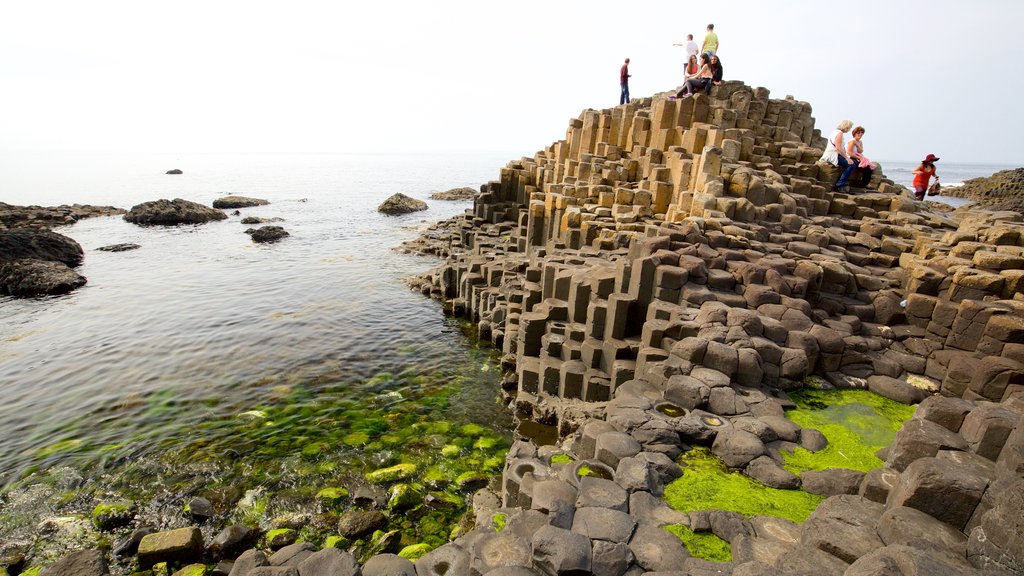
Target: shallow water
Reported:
point(200, 323)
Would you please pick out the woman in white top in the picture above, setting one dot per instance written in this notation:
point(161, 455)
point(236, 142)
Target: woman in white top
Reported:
point(836, 155)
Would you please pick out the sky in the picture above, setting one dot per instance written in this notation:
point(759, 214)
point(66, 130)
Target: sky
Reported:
point(324, 76)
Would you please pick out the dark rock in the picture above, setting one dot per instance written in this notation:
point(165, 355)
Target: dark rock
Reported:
point(557, 499)
point(229, 202)
point(370, 497)
point(648, 508)
point(25, 278)
point(258, 220)
point(946, 489)
point(401, 204)
point(768, 472)
point(464, 193)
point(329, 562)
point(812, 439)
point(183, 545)
point(495, 550)
point(611, 558)
point(247, 561)
point(895, 389)
point(784, 428)
point(231, 541)
point(900, 560)
point(987, 427)
point(737, 448)
point(265, 234)
point(200, 509)
point(173, 171)
point(807, 560)
point(355, 524)
point(274, 571)
point(48, 217)
point(657, 549)
point(292, 555)
point(844, 526)
point(832, 482)
point(944, 411)
point(637, 474)
point(728, 525)
point(921, 439)
point(997, 542)
point(78, 563)
point(281, 538)
point(877, 484)
point(910, 527)
point(222, 568)
point(388, 565)
point(603, 524)
point(602, 493)
point(118, 247)
point(35, 244)
point(513, 571)
point(613, 446)
point(448, 560)
point(172, 213)
point(701, 567)
point(559, 551)
point(130, 545)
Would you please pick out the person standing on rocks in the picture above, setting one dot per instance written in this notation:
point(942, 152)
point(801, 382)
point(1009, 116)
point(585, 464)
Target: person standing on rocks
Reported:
point(922, 174)
point(624, 83)
point(836, 155)
point(710, 46)
point(691, 50)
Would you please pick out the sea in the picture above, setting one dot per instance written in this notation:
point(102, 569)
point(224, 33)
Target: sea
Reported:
point(201, 325)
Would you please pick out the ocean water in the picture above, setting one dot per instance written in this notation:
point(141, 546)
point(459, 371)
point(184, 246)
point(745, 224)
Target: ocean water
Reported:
point(201, 324)
point(950, 174)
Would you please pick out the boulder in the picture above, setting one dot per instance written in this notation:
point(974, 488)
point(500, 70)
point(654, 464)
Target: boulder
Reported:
point(355, 524)
point(844, 526)
point(943, 410)
point(496, 550)
point(36, 244)
point(232, 541)
point(768, 472)
point(559, 551)
point(464, 193)
point(229, 202)
point(895, 389)
point(832, 482)
point(401, 204)
point(292, 554)
point(737, 448)
point(174, 171)
point(997, 542)
point(603, 524)
point(602, 493)
point(172, 213)
point(248, 560)
point(389, 565)
point(119, 247)
point(78, 563)
point(877, 484)
point(657, 549)
point(921, 439)
point(899, 560)
point(26, 278)
point(265, 234)
point(329, 562)
point(946, 489)
point(183, 545)
point(911, 527)
point(448, 560)
point(611, 558)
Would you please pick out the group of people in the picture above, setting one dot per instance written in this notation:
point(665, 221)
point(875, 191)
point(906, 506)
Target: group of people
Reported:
point(848, 156)
point(703, 68)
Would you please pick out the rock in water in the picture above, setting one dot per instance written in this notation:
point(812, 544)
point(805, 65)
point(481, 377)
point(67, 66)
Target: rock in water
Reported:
point(401, 204)
point(465, 193)
point(238, 202)
point(171, 213)
point(37, 278)
point(119, 247)
point(265, 234)
point(174, 171)
point(39, 245)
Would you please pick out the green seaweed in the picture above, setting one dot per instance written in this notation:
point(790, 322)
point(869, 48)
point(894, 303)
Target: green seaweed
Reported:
point(702, 544)
point(561, 458)
point(415, 551)
point(498, 521)
point(706, 484)
point(857, 423)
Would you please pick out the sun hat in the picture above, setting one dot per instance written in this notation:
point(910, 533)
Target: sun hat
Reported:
point(930, 158)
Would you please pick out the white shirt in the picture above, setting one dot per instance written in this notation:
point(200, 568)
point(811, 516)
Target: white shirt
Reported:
point(692, 49)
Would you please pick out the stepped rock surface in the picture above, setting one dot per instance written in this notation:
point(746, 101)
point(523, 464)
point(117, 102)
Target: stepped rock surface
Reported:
point(1003, 190)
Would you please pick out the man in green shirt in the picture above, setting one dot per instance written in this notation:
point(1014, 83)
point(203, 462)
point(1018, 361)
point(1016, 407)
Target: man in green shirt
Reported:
point(710, 45)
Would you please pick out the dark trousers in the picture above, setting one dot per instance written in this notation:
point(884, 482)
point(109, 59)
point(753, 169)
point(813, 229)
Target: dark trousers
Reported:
point(624, 97)
point(693, 85)
point(847, 168)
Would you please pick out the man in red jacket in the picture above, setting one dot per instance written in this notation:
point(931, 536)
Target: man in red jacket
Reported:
point(624, 82)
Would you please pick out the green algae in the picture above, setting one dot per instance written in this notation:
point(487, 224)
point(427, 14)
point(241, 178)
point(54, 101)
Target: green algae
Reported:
point(702, 544)
point(392, 473)
point(415, 551)
point(192, 570)
point(499, 521)
point(707, 484)
point(561, 458)
point(332, 495)
point(857, 423)
point(450, 450)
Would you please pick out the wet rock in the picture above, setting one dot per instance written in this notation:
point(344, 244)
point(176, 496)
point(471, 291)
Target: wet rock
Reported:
point(293, 554)
point(388, 565)
point(222, 568)
point(464, 193)
point(232, 541)
point(448, 560)
point(329, 562)
point(180, 545)
point(281, 538)
point(36, 244)
point(78, 563)
point(172, 213)
point(110, 515)
point(355, 524)
point(401, 204)
point(26, 278)
point(247, 561)
point(844, 526)
point(737, 448)
point(559, 551)
point(174, 171)
point(832, 482)
point(229, 202)
point(266, 234)
point(392, 473)
point(48, 217)
point(656, 549)
point(130, 545)
point(768, 472)
point(258, 220)
point(200, 509)
point(119, 247)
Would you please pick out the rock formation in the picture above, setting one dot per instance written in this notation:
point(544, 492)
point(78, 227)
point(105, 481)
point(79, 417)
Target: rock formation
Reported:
point(228, 202)
point(172, 213)
point(36, 262)
point(1003, 190)
point(174, 171)
point(401, 204)
point(265, 234)
point(49, 217)
point(464, 193)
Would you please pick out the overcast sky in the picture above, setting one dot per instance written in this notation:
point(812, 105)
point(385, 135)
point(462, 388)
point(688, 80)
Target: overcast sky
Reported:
point(217, 76)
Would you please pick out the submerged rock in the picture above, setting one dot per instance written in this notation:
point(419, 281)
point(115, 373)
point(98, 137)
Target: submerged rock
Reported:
point(401, 204)
point(47, 217)
point(239, 202)
point(265, 234)
point(181, 545)
point(119, 247)
point(257, 220)
point(174, 171)
point(171, 213)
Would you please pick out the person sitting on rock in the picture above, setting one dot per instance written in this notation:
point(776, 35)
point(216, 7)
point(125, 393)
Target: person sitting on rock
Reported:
point(855, 149)
point(922, 174)
point(836, 155)
point(699, 82)
point(691, 68)
point(716, 73)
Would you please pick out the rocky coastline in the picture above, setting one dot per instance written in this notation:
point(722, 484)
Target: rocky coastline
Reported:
point(667, 278)
point(1003, 190)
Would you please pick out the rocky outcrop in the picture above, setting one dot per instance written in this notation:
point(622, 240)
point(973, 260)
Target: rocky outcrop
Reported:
point(173, 171)
point(265, 234)
point(49, 217)
point(401, 204)
point(1003, 190)
point(228, 202)
point(172, 213)
point(38, 262)
point(124, 247)
point(257, 220)
point(39, 244)
point(464, 193)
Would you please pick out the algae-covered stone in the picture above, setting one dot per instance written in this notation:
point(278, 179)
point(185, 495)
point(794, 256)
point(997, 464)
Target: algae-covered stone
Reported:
point(355, 524)
point(281, 537)
point(78, 563)
point(415, 551)
point(471, 480)
point(110, 515)
point(450, 450)
point(339, 542)
point(392, 474)
point(356, 438)
point(181, 545)
point(404, 497)
point(486, 443)
point(472, 430)
point(332, 495)
point(192, 570)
